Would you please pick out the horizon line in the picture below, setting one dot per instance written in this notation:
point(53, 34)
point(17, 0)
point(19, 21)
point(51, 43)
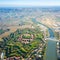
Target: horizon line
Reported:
point(25, 6)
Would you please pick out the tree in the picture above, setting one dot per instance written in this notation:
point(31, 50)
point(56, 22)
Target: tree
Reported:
point(12, 35)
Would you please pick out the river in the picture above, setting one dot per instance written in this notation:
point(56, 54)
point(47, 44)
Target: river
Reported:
point(51, 53)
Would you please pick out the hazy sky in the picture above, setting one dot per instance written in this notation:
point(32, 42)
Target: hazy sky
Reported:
point(19, 3)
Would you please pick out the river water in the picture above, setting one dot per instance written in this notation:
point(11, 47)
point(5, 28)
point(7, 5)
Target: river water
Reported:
point(51, 53)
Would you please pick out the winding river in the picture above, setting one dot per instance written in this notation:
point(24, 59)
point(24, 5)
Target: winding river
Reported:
point(51, 53)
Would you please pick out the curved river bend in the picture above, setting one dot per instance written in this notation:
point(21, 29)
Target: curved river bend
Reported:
point(51, 53)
